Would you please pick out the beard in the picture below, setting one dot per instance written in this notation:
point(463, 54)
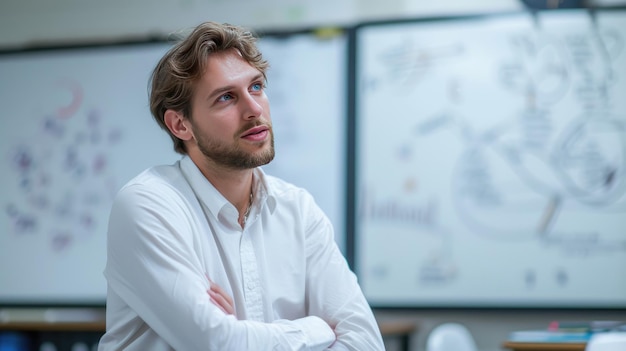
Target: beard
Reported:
point(233, 156)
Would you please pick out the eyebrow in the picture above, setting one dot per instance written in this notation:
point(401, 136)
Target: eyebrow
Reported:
point(224, 89)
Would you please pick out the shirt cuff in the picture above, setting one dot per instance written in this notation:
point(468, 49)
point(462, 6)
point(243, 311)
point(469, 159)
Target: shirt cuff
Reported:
point(317, 332)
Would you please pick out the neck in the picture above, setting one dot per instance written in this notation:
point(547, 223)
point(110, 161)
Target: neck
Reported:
point(234, 185)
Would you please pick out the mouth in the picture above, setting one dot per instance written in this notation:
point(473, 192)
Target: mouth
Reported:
point(257, 133)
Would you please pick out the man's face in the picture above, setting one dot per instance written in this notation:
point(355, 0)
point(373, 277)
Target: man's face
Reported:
point(230, 117)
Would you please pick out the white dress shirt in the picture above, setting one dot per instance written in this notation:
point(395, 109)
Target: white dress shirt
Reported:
point(170, 231)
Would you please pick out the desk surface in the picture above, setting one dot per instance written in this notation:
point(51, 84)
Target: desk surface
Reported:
point(98, 326)
point(393, 328)
point(552, 346)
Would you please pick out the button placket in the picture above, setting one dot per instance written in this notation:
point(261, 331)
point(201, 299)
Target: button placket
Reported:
point(251, 279)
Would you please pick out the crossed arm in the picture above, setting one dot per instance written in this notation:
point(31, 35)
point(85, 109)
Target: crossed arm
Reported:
point(221, 299)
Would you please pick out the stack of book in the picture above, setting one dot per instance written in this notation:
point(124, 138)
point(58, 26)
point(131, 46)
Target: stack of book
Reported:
point(566, 331)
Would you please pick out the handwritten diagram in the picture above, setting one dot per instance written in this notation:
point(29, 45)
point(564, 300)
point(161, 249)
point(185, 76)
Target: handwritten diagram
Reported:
point(503, 150)
point(64, 177)
point(80, 128)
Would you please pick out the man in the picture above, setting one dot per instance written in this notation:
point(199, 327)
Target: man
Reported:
point(211, 253)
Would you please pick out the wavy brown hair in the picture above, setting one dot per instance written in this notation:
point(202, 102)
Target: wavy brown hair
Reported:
point(173, 80)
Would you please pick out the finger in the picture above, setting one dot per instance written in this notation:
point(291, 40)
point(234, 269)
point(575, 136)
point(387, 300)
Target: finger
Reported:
point(222, 302)
point(216, 288)
point(220, 296)
point(218, 305)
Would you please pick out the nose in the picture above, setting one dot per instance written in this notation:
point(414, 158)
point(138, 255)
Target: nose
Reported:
point(252, 106)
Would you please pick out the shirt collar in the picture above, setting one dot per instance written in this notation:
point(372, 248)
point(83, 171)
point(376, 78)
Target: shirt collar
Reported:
point(213, 200)
point(265, 193)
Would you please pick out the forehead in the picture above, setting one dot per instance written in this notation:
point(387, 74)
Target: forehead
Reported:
point(227, 66)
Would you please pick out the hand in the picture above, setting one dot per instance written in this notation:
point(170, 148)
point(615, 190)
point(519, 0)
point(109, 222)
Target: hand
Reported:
point(220, 298)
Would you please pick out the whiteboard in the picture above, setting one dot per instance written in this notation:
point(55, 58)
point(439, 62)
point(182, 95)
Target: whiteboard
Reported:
point(491, 161)
point(307, 91)
point(77, 126)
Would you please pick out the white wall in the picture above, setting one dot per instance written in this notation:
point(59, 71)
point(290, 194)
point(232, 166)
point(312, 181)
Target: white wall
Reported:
point(23, 22)
point(39, 22)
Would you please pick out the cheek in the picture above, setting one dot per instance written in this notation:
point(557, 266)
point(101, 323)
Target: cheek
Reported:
point(266, 110)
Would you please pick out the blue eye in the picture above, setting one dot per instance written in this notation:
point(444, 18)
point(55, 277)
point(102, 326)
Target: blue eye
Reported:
point(225, 97)
point(257, 87)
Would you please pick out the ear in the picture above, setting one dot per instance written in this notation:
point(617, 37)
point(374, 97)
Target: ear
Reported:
point(177, 124)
